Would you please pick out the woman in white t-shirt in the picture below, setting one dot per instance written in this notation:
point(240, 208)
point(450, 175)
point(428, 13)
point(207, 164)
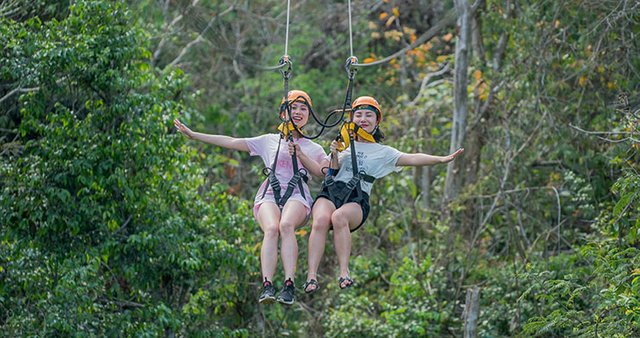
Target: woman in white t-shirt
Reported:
point(344, 203)
point(277, 218)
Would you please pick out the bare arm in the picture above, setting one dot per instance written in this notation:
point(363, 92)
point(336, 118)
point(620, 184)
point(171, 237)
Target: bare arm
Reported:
point(311, 165)
point(218, 140)
point(419, 159)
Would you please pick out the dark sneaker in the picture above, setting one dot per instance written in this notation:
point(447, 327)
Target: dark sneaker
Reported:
point(268, 294)
point(286, 295)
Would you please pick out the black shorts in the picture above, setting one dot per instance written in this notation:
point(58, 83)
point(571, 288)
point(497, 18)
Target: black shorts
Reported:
point(353, 197)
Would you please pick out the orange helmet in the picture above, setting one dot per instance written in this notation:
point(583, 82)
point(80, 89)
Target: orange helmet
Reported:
point(298, 95)
point(364, 102)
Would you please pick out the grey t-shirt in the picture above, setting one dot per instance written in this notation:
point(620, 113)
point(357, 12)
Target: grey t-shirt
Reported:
point(374, 159)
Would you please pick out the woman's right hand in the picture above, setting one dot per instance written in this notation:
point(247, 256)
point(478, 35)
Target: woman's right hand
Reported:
point(294, 149)
point(183, 129)
point(334, 148)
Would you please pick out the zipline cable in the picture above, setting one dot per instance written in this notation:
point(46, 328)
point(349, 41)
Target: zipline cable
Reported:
point(350, 34)
point(286, 36)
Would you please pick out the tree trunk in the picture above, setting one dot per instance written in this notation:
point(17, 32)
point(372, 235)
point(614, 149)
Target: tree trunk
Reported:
point(454, 170)
point(471, 313)
point(422, 174)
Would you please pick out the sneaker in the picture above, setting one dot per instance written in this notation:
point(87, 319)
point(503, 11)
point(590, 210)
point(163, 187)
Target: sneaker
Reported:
point(286, 295)
point(268, 294)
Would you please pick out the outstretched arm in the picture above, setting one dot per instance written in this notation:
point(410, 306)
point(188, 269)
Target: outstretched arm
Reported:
point(218, 140)
point(419, 159)
point(311, 165)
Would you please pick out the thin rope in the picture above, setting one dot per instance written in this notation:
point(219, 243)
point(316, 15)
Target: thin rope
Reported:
point(350, 34)
point(286, 38)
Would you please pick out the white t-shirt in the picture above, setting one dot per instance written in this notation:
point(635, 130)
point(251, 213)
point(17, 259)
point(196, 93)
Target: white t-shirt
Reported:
point(266, 146)
point(374, 159)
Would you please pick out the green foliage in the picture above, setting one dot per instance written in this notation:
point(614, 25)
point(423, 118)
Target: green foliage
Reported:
point(406, 302)
point(113, 226)
point(598, 296)
point(103, 230)
point(22, 10)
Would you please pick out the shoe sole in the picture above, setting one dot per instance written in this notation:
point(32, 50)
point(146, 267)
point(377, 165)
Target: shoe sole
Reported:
point(282, 301)
point(268, 300)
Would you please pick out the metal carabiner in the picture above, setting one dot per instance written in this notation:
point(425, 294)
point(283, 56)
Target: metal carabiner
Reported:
point(286, 60)
point(348, 66)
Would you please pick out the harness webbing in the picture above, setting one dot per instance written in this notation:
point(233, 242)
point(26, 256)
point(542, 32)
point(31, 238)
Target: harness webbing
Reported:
point(346, 138)
point(271, 177)
point(286, 132)
point(298, 179)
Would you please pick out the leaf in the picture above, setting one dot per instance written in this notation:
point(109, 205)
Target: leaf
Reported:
point(447, 37)
point(582, 81)
point(477, 74)
point(623, 202)
point(389, 21)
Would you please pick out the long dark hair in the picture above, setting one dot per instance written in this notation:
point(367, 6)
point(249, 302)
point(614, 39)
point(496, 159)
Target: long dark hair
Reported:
point(378, 135)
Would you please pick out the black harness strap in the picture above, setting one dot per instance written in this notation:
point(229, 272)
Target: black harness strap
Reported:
point(271, 176)
point(354, 183)
point(358, 175)
point(351, 72)
point(299, 175)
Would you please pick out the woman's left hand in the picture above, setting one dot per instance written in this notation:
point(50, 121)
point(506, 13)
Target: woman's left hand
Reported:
point(451, 157)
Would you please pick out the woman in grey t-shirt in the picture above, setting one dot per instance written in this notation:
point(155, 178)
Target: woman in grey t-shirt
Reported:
point(344, 204)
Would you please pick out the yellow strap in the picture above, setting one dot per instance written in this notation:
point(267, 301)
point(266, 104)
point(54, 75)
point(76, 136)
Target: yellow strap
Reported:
point(346, 129)
point(286, 128)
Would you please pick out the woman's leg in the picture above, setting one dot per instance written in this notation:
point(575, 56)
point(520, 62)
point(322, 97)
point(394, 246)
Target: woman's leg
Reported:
point(294, 214)
point(344, 219)
point(322, 210)
point(269, 220)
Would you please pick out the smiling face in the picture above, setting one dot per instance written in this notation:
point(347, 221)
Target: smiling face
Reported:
point(299, 113)
point(365, 119)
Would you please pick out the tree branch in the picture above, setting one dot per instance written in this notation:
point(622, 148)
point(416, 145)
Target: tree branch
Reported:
point(426, 83)
point(200, 37)
point(18, 90)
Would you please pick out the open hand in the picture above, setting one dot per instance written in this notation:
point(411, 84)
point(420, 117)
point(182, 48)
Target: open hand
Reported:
point(451, 157)
point(183, 129)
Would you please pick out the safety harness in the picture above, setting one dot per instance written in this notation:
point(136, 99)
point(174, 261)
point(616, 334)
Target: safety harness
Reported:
point(299, 175)
point(347, 133)
point(286, 129)
point(346, 139)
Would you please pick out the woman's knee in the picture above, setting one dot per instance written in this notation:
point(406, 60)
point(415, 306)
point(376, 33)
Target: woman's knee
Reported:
point(321, 222)
point(339, 220)
point(286, 228)
point(271, 231)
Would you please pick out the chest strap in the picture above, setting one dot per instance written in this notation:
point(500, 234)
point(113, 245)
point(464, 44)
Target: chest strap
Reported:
point(300, 176)
point(340, 195)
